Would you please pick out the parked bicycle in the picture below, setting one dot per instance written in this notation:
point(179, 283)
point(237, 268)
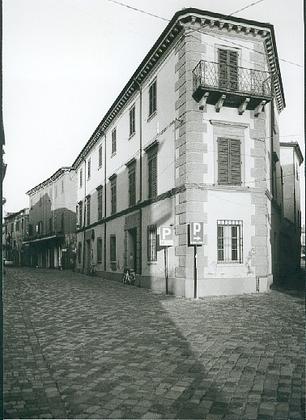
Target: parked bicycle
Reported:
point(128, 276)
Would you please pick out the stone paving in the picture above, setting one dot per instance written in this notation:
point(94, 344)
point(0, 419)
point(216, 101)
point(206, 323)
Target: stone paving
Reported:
point(83, 347)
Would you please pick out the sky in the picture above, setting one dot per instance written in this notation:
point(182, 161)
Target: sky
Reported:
point(65, 61)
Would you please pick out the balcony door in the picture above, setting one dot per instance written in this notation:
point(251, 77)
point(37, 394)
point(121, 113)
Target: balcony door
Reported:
point(228, 69)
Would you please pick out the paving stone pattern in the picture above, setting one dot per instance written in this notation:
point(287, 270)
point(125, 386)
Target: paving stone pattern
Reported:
point(83, 347)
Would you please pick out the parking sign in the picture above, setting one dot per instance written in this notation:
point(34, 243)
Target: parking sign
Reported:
point(166, 236)
point(196, 233)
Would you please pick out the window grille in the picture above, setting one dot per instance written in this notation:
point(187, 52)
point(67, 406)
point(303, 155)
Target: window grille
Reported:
point(229, 241)
point(99, 250)
point(152, 243)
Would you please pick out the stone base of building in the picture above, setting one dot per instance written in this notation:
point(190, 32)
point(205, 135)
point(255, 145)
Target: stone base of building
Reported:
point(205, 287)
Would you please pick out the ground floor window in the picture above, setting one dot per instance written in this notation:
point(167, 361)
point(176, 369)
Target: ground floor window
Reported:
point(113, 252)
point(152, 243)
point(99, 250)
point(229, 241)
point(79, 252)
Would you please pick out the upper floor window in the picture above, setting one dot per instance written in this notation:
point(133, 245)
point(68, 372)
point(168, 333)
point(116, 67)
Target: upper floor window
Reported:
point(152, 173)
point(132, 121)
point(152, 98)
point(228, 69)
point(113, 195)
point(88, 210)
point(229, 241)
point(229, 161)
point(81, 213)
point(81, 178)
point(100, 202)
point(89, 168)
point(100, 155)
point(132, 184)
point(114, 141)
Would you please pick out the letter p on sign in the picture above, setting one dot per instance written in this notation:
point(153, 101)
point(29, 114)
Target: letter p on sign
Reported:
point(166, 236)
point(196, 233)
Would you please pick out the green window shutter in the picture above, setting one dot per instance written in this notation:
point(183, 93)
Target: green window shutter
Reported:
point(222, 60)
point(233, 69)
point(223, 161)
point(235, 162)
point(228, 69)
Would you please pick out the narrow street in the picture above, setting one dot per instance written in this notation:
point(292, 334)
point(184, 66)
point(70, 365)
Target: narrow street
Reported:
point(83, 347)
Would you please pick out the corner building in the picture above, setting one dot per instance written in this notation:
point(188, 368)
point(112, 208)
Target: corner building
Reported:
point(192, 137)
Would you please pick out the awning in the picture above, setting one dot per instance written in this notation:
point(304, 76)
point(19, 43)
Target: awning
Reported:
point(46, 238)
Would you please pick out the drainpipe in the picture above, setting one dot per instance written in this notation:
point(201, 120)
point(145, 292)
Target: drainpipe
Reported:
point(104, 201)
point(140, 178)
point(271, 145)
point(84, 214)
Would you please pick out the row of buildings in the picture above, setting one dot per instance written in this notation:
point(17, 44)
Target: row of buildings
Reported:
point(192, 137)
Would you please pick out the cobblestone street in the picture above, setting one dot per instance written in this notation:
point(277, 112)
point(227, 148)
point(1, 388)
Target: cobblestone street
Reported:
point(83, 347)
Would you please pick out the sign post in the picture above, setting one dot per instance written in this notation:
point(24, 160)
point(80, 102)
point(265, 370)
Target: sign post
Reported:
point(195, 239)
point(166, 240)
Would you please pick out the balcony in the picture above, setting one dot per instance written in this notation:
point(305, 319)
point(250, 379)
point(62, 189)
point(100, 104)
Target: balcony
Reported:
point(235, 87)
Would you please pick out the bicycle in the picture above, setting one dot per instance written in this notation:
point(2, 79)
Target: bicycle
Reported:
point(128, 276)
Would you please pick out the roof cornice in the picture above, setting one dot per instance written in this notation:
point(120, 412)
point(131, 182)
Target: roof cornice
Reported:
point(296, 147)
point(52, 178)
point(167, 37)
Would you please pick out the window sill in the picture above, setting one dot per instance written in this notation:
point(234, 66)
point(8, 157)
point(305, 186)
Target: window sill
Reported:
point(234, 263)
point(151, 116)
point(132, 135)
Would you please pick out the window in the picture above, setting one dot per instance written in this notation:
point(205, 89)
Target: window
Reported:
point(81, 213)
point(228, 69)
point(55, 191)
point(152, 98)
point(79, 252)
point(88, 168)
point(62, 222)
point(12, 227)
point(17, 226)
point(132, 184)
point(22, 225)
point(152, 243)
point(50, 224)
point(88, 210)
point(114, 141)
point(81, 178)
point(152, 169)
point(113, 195)
point(99, 250)
point(132, 120)
point(62, 185)
point(229, 161)
point(113, 251)
point(229, 241)
point(297, 171)
point(100, 155)
point(100, 202)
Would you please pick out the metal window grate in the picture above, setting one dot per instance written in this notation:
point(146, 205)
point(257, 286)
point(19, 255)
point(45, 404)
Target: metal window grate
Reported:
point(229, 241)
point(152, 243)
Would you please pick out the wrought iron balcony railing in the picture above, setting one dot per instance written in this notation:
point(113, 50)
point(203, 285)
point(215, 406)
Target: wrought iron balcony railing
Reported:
point(235, 82)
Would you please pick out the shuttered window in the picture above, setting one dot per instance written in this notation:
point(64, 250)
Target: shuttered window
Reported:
point(88, 168)
point(132, 120)
point(228, 69)
point(100, 202)
point(81, 213)
point(114, 140)
point(88, 209)
point(152, 169)
point(152, 243)
point(229, 161)
point(132, 184)
point(100, 155)
point(113, 195)
point(81, 178)
point(152, 98)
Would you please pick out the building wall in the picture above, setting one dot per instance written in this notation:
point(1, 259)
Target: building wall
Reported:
point(187, 175)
